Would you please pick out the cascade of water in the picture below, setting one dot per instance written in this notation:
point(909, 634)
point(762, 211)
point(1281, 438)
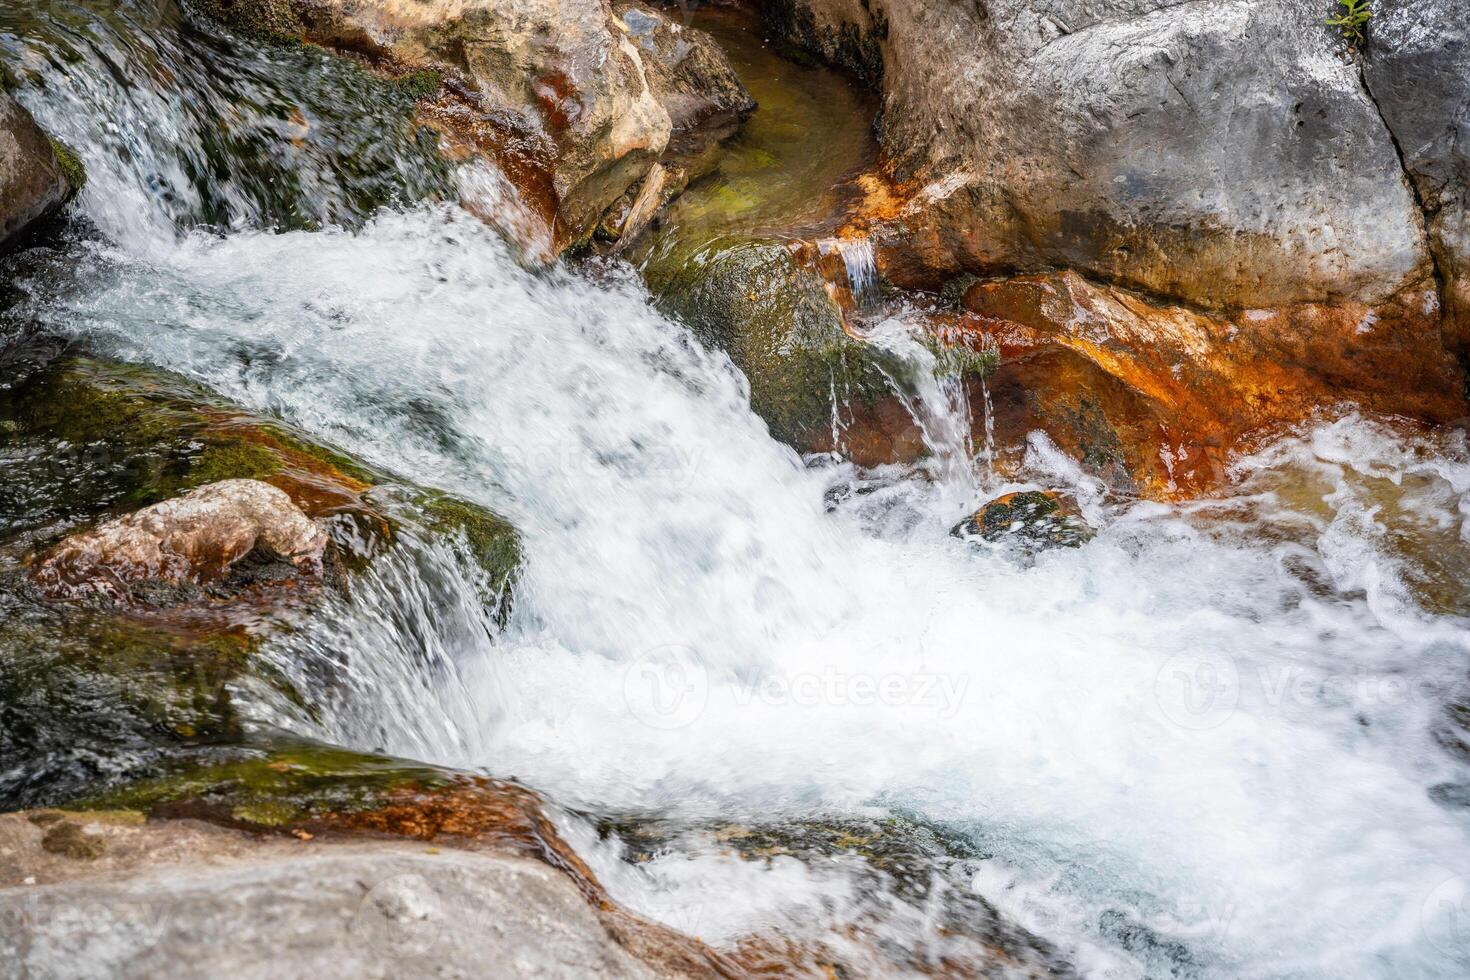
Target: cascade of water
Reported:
point(933, 396)
point(861, 265)
point(1137, 740)
point(988, 454)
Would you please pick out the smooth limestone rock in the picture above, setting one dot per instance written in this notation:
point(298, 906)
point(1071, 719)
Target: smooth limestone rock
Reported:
point(1220, 152)
point(123, 898)
point(195, 538)
point(1417, 67)
point(33, 181)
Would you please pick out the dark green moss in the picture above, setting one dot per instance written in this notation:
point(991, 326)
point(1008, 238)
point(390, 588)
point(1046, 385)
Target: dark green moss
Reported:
point(232, 462)
point(492, 542)
point(420, 84)
point(284, 781)
point(71, 165)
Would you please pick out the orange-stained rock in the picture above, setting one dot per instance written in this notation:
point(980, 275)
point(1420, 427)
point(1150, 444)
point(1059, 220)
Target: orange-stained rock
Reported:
point(194, 538)
point(1154, 398)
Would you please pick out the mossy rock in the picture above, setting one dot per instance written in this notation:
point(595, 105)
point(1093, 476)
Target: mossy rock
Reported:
point(275, 20)
point(271, 782)
point(774, 318)
point(90, 438)
point(71, 165)
point(86, 694)
point(88, 690)
point(491, 542)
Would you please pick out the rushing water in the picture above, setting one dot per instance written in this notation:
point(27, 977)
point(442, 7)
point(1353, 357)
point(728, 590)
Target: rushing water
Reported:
point(1211, 742)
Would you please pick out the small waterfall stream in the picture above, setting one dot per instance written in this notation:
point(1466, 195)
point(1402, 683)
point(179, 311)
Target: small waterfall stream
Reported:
point(1210, 743)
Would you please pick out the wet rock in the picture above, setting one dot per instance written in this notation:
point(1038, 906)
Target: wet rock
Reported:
point(1224, 154)
point(564, 93)
point(307, 806)
point(687, 71)
point(1031, 519)
point(1154, 398)
point(35, 179)
point(775, 317)
point(92, 689)
point(896, 864)
point(198, 538)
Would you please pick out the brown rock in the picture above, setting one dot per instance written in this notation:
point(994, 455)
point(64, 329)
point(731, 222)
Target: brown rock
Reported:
point(1154, 398)
point(686, 70)
point(574, 102)
point(192, 539)
point(32, 184)
point(73, 840)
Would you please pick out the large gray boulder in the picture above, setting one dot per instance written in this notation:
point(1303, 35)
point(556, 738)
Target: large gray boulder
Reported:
point(1418, 71)
point(1221, 152)
point(32, 182)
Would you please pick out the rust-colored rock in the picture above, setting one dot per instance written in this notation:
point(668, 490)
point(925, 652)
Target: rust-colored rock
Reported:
point(1154, 398)
point(195, 538)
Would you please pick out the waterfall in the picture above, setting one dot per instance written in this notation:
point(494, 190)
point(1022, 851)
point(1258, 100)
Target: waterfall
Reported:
point(1202, 745)
point(859, 262)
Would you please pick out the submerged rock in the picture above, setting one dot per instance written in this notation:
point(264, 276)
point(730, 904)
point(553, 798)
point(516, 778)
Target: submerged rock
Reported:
point(1031, 519)
point(35, 179)
point(199, 538)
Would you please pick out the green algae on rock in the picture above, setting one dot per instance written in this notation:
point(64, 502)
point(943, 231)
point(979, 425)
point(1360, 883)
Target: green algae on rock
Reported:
point(89, 688)
point(776, 320)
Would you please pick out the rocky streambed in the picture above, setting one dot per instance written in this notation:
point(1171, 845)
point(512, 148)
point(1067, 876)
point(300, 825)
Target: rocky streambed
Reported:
point(820, 488)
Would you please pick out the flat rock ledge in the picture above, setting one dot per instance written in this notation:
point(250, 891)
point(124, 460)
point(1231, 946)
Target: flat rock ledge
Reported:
point(111, 895)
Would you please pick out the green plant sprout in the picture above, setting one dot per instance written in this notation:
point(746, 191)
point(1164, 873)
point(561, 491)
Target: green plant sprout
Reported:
point(1353, 21)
